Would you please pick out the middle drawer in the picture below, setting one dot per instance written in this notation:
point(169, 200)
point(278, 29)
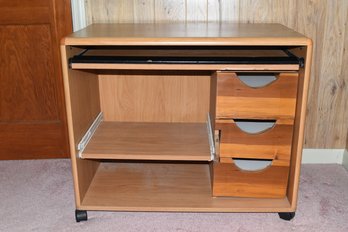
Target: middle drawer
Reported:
point(270, 140)
point(257, 95)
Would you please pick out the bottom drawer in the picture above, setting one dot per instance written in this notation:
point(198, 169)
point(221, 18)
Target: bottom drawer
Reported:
point(230, 181)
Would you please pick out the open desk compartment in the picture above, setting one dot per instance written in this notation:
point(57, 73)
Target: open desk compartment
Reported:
point(141, 115)
point(165, 186)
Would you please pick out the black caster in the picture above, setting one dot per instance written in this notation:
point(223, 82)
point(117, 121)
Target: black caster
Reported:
point(80, 215)
point(287, 216)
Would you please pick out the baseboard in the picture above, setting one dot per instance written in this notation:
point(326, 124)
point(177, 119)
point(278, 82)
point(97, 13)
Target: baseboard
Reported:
point(323, 156)
point(345, 159)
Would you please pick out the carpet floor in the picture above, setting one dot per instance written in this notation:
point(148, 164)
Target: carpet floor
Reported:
point(37, 195)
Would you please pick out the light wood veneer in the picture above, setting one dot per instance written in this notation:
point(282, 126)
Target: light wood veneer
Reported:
point(185, 185)
point(237, 100)
point(149, 141)
point(166, 187)
point(274, 143)
point(270, 182)
point(202, 34)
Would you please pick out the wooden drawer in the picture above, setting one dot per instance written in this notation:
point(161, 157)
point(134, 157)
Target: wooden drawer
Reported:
point(230, 181)
point(271, 139)
point(240, 99)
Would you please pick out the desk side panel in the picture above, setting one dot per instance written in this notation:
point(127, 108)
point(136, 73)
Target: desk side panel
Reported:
point(299, 125)
point(82, 107)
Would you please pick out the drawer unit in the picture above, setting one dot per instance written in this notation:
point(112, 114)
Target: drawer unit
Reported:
point(240, 100)
point(270, 140)
point(255, 119)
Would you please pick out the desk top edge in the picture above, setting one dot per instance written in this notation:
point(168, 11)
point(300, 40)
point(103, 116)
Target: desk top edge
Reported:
point(192, 34)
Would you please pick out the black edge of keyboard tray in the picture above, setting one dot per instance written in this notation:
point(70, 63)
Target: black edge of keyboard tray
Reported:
point(88, 59)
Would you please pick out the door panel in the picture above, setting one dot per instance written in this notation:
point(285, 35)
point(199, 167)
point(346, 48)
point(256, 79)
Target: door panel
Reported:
point(32, 112)
point(29, 91)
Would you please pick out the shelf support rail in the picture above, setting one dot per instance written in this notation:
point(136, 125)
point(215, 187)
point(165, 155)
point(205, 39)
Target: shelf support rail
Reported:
point(88, 135)
point(211, 138)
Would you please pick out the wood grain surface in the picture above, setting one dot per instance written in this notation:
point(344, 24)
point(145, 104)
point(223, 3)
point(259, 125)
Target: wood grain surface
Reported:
point(179, 33)
point(299, 125)
point(274, 143)
point(321, 20)
point(155, 96)
point(32, 110)
point(149, 141)
point(270, 182)
point(230, 85)
point(82, 106)
point(236, 100)
point(180, 187)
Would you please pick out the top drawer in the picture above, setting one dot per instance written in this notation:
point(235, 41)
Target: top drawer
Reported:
point(257, 96)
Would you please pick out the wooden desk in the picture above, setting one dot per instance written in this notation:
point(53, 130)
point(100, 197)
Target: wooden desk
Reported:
point(156, 115)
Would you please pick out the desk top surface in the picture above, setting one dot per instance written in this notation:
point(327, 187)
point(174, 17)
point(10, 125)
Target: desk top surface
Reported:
point(192, 34)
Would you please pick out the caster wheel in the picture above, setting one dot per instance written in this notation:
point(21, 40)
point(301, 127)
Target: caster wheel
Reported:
point(287, 216)
point(80, 215)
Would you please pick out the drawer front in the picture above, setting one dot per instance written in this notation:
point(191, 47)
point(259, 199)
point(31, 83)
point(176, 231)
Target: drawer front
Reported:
point(239, 99)
point(230, 181)
point(274, 142)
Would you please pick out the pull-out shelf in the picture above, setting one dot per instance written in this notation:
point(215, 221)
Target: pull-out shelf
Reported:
point(186, 58)
point(149, 141)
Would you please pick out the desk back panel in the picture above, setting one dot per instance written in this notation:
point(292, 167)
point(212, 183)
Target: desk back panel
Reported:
point(155, 96)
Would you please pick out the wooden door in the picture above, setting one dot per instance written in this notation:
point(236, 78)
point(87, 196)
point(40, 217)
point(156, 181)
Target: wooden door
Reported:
point(32, 112)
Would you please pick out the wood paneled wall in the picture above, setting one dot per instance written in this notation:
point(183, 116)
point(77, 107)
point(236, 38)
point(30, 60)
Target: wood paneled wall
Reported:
point(325, 21)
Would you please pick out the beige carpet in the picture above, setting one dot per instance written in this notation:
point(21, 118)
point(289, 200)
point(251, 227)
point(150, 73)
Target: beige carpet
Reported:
point(37, 195)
